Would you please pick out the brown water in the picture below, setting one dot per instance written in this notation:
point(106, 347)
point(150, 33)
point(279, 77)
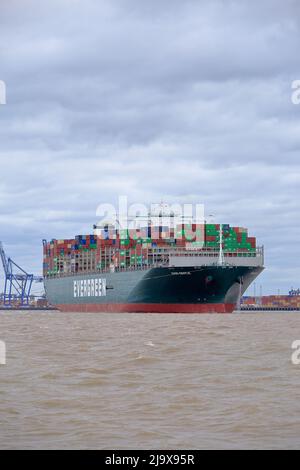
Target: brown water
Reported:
point(149, 381)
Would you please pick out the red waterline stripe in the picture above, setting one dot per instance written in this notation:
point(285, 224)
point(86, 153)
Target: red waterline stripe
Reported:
point(148, 308)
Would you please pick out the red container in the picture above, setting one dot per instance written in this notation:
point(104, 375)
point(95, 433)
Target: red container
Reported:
point(252, 241)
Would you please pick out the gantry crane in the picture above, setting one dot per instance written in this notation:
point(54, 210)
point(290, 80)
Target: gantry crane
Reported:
point(18, 283)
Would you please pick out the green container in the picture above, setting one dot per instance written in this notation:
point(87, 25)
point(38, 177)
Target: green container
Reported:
point(124, 234)
point(210, 227)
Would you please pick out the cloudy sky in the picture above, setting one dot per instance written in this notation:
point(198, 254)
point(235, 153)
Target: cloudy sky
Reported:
point(180, 100)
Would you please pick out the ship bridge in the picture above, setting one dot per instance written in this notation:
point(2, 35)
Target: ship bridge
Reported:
point(210, 258)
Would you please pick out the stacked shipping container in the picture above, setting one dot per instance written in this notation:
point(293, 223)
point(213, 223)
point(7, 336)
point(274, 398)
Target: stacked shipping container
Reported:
point(133, 248)
point(273, 301)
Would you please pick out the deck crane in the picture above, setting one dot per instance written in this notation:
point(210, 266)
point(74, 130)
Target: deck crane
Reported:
point(17, 283)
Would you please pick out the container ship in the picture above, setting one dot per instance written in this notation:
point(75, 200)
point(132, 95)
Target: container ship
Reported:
point(154, 269)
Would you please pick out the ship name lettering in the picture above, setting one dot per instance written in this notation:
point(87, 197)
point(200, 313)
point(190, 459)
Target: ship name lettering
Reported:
point(181, 273)
point(89, 288)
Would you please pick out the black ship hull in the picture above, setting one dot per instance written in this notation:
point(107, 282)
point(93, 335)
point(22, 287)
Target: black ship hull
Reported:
point(203, 289)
